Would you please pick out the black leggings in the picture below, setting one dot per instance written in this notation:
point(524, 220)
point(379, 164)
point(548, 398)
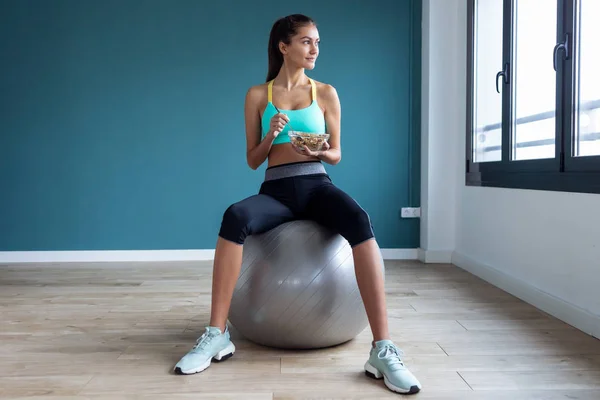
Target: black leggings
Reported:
point(311, 196)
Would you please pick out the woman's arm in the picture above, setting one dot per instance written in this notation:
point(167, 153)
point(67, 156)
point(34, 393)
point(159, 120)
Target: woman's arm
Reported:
point(256, 150)
point(333, 113)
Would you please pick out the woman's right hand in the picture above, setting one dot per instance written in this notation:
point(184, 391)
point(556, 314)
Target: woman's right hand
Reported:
point(278, 122)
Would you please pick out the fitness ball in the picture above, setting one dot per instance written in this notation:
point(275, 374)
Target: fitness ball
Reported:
point(297, 289)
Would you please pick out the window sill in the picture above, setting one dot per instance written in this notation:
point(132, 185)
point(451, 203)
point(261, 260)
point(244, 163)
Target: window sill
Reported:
point(578, 182)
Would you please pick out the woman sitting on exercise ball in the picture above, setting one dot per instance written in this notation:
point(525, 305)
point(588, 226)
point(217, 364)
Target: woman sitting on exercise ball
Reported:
point(296, 186)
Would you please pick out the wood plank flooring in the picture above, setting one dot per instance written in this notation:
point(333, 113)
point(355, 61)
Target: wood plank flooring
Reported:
point(114, 331)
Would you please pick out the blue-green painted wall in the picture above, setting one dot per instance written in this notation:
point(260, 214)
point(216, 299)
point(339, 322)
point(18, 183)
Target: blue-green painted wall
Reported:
point(121, 122)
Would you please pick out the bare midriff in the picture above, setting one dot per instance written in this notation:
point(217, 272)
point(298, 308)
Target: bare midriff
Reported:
point(284, 153)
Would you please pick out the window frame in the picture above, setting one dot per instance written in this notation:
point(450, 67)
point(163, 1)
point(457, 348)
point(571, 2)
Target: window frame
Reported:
point(562, 173)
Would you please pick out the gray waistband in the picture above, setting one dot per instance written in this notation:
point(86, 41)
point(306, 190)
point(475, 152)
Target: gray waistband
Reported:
point(289, 170)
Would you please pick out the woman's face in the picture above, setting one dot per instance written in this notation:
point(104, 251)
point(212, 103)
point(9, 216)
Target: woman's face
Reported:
point(303, 49)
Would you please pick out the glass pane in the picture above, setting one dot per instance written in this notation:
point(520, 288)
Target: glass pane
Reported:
point(487, 112)
point(534, 79)
point(587, 84)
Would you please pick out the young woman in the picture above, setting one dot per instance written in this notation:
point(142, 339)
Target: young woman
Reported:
point(296, 186)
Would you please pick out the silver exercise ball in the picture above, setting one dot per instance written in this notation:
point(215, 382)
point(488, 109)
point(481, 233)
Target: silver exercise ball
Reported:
point(297, 289)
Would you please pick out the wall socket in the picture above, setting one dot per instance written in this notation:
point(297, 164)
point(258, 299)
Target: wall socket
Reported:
point(410, 212)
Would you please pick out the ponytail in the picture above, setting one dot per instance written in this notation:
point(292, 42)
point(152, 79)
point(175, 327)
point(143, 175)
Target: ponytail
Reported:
point(283, 29)
point(275, 56)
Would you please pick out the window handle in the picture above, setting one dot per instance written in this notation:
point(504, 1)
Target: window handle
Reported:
point(561, 46)
point(504, 74)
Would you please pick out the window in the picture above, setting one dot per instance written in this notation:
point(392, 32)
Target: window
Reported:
point(533, 104)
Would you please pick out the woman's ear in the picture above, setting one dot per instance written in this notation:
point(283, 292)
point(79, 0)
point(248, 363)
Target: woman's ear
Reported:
point(282, 48)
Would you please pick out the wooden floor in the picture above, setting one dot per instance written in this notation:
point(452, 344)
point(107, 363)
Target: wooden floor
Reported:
point(106, 331)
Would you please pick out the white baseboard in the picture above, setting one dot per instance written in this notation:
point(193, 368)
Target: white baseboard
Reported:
point(435, 256)
point(399, 254)
point(566, 312)
point(20, 257)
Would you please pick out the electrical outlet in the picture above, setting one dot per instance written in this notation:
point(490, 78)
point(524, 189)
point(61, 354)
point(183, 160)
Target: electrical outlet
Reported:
point(410, 212)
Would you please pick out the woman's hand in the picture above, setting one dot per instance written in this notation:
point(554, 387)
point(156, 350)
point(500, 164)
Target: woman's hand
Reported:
point(304, 150)
point(277, 124)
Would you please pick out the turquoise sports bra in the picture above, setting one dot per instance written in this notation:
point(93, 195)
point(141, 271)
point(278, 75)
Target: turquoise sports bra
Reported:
point(309, 119)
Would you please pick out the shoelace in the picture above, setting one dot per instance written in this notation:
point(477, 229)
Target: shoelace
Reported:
point(392, 354)
point(203, 340)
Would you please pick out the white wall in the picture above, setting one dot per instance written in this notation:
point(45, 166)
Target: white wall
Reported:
point(442, 120)
point(543, 247)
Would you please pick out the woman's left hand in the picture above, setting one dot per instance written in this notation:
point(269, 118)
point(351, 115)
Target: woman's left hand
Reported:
point(304, 150)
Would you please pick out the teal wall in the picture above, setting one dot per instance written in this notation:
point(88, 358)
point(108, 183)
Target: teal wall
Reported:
point(121, 122)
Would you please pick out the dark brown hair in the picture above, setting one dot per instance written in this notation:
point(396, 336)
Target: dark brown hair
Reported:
point(283, 29)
